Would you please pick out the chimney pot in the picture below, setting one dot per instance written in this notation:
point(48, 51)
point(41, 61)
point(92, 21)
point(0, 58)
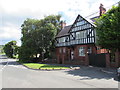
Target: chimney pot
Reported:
point(63, 24)
point(102, 9)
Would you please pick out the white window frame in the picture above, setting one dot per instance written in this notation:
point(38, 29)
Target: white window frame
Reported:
point(82, 51)
point(64, 50)
point(60, 50)
point(89, 49)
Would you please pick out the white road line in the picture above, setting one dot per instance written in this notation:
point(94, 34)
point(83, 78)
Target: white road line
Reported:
point(17, 67)
point(12, 65)
point(4, 65)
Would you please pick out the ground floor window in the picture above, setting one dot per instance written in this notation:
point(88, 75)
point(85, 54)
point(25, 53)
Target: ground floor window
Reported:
point(89, 49)
point(64, 50)
point(60, 50)
point(82, 51)
point(72, 55)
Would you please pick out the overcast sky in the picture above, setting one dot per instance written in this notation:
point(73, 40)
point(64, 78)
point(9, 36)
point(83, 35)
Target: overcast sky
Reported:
point(14, 12)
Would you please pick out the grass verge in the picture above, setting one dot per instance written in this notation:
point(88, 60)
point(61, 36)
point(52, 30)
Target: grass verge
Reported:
point(43, 66)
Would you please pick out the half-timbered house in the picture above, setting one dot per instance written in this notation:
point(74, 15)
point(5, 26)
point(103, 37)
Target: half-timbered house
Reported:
point(75, 42)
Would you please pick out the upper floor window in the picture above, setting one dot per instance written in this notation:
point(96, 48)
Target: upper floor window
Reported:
point(80, 23)
point(92, 33)
point(77, 35)
point(81, 34)
point(62, 39)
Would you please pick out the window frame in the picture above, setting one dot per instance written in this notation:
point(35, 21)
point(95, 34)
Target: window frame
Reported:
point(81, 51)
point(89, 49)
point(60, 50)
point(64, 50)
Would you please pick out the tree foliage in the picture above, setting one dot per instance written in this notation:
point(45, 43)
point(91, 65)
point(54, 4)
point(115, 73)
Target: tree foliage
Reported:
point(108, 29)
point(38, 37)
point(1, 49)
point(11, 49)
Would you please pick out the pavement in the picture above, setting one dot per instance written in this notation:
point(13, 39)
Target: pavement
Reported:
point(109, 70)
point(105, 70)
point(15, 75)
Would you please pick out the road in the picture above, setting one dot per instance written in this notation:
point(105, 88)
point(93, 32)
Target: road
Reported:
point(15, 75)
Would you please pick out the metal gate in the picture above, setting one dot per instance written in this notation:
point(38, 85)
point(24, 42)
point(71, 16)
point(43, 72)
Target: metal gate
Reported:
point(98, 60)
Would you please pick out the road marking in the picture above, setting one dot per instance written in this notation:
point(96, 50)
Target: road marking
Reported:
point(4, 65)
point(18, 66)
point(7, 64)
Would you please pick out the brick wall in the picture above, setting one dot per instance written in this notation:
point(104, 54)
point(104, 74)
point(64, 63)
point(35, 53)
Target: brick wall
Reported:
point(117, 59)
point(62, 55)
point(65, 58)
point(113, 64)
point(85, 59)
point(108, 60)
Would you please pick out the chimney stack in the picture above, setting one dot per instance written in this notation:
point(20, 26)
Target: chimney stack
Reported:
point(102, 9)
point(63, 24)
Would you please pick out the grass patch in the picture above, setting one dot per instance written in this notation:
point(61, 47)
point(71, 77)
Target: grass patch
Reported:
point(43, 66)
point(15, 56)
point(2, 53)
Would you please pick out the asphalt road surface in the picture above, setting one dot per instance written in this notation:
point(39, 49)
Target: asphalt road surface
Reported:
point(15, 75)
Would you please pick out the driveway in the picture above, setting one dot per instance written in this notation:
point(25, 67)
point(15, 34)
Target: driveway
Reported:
point(15, 75)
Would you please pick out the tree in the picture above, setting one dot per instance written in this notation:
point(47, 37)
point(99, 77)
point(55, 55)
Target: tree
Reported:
point(108, 29)
point(28, 47)
point(1, 49)
point(38, 37)
point(10, 49)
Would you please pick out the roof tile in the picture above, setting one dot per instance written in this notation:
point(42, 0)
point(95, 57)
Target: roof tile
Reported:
point(64, 31)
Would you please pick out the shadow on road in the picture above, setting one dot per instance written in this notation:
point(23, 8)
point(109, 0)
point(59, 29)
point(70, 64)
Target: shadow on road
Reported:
point(87, 73)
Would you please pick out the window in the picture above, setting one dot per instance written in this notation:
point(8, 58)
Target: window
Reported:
point(64, 50)
point(73, 29)
point(60, 50)
point(93, 39)
point(71, 37)
point(85, 34)
point(89, 49)
point(82, 51)
point(79, 27)
point(77, 35)
point(92, 33)
point(62, 39)
point(81, 34)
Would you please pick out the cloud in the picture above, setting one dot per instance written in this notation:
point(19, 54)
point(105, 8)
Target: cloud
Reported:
point(14, 12)
point(10, 32)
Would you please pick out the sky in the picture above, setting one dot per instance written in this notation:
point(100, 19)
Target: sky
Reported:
point(14, 12)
